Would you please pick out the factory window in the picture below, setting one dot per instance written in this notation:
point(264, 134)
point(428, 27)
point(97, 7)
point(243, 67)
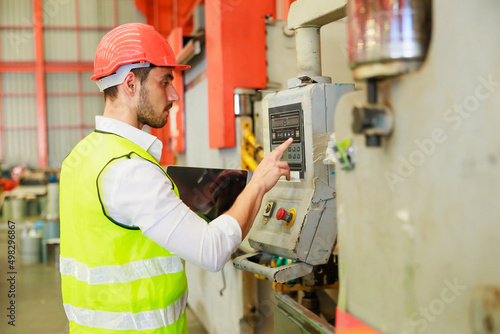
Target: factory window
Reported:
point(47, 100)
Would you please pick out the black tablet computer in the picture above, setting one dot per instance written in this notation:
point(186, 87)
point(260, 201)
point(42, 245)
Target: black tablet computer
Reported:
point(208, 191)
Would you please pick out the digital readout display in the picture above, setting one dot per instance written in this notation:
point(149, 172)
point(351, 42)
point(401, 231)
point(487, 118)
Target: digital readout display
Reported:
point(278, 122)
point(292, 121)
point(285, 122)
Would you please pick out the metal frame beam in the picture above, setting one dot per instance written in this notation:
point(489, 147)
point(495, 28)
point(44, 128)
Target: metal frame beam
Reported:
point(232, 61)
point(41, 103)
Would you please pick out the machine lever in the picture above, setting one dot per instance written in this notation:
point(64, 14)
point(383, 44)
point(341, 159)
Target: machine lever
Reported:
point(282, 274)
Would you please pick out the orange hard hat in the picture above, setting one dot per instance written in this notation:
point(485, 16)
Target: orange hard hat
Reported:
point(132, 44)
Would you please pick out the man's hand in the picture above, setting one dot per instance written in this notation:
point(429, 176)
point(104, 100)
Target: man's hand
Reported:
point(271, 168)
point(264, 178)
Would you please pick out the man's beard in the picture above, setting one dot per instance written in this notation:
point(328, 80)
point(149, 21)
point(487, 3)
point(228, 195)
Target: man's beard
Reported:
point(146, 113)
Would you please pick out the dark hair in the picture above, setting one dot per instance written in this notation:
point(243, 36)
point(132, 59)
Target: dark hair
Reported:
point(142, 73)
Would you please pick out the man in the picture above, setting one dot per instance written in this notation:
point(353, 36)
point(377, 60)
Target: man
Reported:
point(123, 228)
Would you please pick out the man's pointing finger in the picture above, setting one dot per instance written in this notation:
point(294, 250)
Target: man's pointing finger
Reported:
point(282, 148)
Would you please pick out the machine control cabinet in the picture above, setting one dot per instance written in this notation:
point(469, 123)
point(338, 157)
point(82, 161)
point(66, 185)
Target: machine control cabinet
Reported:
point(297, 219)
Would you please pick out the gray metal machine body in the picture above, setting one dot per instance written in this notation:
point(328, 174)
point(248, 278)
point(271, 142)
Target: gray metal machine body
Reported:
point(305, 113)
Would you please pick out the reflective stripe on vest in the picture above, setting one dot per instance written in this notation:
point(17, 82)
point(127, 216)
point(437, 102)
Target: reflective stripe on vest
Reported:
point(127, 321)
point(124, 273)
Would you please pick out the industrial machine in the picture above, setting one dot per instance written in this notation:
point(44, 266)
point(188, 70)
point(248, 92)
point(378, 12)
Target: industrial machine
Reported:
point(297, 220)
point(418, 230)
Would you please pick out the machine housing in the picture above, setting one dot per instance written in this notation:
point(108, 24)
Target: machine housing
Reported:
point(305, 113)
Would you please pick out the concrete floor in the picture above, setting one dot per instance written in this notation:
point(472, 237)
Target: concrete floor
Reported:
point(38, 298)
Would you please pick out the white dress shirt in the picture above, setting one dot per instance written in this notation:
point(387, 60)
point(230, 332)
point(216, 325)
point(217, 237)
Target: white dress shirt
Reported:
point(137, 193)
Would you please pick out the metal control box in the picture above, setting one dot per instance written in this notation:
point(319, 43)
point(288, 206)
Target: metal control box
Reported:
point(297, 219)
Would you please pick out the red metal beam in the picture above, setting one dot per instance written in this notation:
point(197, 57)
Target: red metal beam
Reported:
point(186, 10)
point(175, 14)
point(156, 14)
point(232, 60)
point(16, 67)
point(40, 84)
point(163, 15)
point(166, 15)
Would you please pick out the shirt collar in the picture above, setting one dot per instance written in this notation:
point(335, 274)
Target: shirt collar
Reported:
point(144, 140)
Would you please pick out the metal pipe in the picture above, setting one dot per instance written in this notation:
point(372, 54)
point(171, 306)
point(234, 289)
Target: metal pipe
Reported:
point(250, 139)
point(308, 44)
point(41, 103)
point(243, 101)
point(249, 160)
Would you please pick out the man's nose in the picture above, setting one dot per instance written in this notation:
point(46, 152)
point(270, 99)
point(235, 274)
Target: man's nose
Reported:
point(172, 94)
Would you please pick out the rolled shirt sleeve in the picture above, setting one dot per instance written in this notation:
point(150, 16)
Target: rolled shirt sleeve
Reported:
point(136, 192)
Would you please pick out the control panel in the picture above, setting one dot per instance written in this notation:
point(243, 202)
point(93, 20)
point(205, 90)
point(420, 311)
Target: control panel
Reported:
point(298, 217)
point(287, 122)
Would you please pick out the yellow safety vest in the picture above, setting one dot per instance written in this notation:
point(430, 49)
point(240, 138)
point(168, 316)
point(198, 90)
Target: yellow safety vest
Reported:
point(114, 280)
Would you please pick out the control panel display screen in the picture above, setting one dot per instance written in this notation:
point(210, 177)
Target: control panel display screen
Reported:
point(285, 122)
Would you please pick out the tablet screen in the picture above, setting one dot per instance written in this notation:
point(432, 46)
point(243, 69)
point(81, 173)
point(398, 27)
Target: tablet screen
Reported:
point(208, 191)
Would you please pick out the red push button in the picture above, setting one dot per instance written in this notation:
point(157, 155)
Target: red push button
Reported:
point(281, 214)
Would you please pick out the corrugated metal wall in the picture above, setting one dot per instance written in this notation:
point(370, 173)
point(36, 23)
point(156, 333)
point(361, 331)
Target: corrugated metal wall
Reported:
point(19, 118)
point(72, 30)
point(16, 12)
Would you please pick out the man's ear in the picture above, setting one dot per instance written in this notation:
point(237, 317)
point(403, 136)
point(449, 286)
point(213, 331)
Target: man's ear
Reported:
point(131, 84)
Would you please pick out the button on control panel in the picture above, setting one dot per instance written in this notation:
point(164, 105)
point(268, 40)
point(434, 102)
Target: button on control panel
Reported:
point(286, 216)
point(269, 208)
